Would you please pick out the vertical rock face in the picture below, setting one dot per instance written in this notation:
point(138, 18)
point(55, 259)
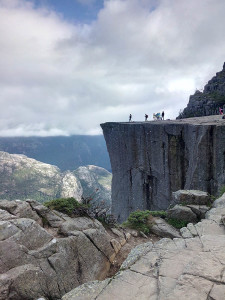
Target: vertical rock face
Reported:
point(151, 160)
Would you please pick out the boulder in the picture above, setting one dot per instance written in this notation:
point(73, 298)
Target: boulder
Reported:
point(30, 234)
point(199, 210)
point(187, 197)
point(48, 216)
point(182, 213)
point(20, 209)
point(161, 228)
point(185, 233)
point(102, 241)
point(7, 230)
point(120, 235)
point(116, 245)
point(4, 215)
point(23, 282)
point(79, 223)
point(220, 202)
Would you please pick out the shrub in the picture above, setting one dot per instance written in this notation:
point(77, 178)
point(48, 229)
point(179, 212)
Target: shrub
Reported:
point(72, 207)
point(177, 223)
point(68, 206)
point(139, 220)
point(159, 213)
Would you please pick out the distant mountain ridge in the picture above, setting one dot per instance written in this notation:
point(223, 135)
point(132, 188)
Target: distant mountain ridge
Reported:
point(67, 153)
point(26, 178)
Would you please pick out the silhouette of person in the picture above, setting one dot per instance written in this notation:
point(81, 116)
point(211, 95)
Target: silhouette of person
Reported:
point(146, 117)
point(130, 117)
point(163, 115)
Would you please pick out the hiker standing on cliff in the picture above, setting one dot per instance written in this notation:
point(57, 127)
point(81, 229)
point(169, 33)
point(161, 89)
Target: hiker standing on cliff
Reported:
point(146, 117)
point(130, 117)
point(163, 115)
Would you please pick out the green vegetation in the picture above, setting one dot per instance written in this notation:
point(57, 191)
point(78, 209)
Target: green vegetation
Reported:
point(222, 191)
point(159, 213)
point(143, 220)
point(217, 97)
point(140, 220)
point(177, 223)
point(68, 206)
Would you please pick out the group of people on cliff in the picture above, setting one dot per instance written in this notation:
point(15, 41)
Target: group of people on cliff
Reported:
point(221, 112)
point(156, 116)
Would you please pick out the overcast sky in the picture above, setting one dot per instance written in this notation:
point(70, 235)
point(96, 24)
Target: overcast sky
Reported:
point(68, 65)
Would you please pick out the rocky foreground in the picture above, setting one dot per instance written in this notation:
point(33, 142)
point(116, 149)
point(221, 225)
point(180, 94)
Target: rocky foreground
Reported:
point(45, 254)
point(192, 267)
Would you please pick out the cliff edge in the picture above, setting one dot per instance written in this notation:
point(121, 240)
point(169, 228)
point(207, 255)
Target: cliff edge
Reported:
point(150, 160)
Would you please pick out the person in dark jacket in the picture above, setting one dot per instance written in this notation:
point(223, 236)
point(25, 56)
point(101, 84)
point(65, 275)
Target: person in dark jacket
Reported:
point(130, 117)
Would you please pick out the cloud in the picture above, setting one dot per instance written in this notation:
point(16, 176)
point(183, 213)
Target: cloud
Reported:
point(138, 56)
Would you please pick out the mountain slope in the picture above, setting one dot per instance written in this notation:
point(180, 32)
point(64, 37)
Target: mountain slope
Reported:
point(22, 177)
point(207, 102)
point(96, 182)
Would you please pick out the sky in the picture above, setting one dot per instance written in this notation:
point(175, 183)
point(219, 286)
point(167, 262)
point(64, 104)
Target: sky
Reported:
point(68, 65)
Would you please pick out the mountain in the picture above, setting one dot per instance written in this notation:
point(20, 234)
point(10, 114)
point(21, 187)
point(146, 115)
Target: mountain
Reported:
point(208, 101)
point(96, 183)
point(22, 177)
point(67, 153)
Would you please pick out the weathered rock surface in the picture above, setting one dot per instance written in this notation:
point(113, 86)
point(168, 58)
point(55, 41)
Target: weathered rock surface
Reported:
point(47, 262)
point(182, 268)
point(150, 160)
point(191, 206)
point(161, 228)
point(183, 213)
point(208, 101)
point(186, 197)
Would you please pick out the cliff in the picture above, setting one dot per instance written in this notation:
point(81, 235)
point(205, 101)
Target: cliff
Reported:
point(150, 160)
point(208, 101)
